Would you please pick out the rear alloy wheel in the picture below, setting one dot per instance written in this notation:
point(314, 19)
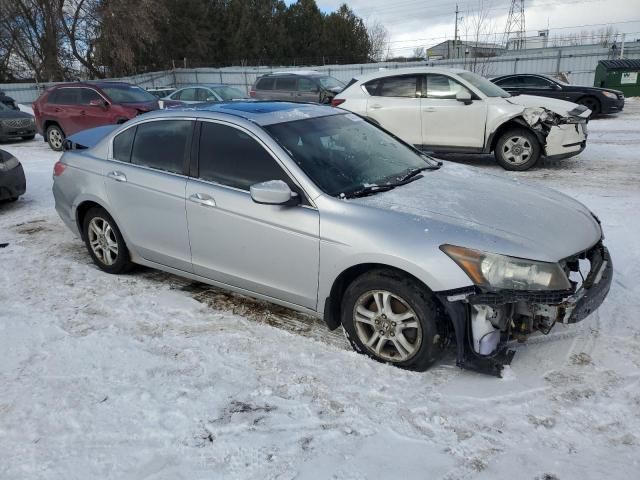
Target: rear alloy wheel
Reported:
point(391, 318)
point(104, 242)
point(592, 104)
point(55, 137)
point(517, 149)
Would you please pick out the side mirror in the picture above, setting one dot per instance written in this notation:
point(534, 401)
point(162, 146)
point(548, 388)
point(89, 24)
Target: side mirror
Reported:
point(464, 96)
point(273, 192)
point(98, 103)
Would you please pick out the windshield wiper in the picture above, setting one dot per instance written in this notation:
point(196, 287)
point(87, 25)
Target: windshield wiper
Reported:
point(385, 187)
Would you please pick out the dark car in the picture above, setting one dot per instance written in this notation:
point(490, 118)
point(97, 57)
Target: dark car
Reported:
point(16, 124)
point(69, 108)
point(7, 101)
point(598, 100)
point(12, 181)
point(296, 86)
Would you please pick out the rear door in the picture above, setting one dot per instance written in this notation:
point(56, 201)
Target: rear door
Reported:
point(286, 88)
point(265, 88)
point(513, 85)
point(395, 104)
point(271, 250)
point(534, 85)
point(64, 107)
point(446, 122)
point(146, 186)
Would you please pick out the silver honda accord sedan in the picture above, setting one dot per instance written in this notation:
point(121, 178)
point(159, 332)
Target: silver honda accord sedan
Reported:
point(316, 209)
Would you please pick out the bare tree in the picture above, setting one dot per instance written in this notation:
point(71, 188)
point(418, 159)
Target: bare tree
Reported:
point(418, 53)
point(481, 38)
point(378, 41)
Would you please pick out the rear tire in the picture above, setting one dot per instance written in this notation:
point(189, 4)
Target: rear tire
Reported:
point(105, 242)
point(55, 137)
point(393, 319)
point(517, 149)
point(592, 104)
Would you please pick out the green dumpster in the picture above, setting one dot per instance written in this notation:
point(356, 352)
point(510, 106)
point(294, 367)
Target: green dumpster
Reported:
point(623, 75)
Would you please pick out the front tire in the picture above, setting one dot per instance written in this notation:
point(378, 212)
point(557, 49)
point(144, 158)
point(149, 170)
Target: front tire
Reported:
point(592, 104)
point(55, 137)
point(105, 243)
point(392, 319)
point(517, 149)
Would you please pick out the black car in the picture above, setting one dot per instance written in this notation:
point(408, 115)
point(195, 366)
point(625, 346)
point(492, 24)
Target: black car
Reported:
point(12, 181)
point(7, 101)
point(598, 100)
point(16, 124)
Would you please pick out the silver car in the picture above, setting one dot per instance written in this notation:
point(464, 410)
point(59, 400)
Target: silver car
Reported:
point(316, 209)
point(214, 92)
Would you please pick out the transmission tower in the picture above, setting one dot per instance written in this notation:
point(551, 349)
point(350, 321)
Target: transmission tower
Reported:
point(515, 32)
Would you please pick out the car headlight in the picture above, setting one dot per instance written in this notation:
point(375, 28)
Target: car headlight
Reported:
point(509, 273)
point(9, 164)
point(610, 95)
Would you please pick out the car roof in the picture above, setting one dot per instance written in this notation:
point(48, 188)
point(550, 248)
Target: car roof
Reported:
point(296, 73)
point(205, 85)
point(392, 72)
point(95, 84)
point(259, 112)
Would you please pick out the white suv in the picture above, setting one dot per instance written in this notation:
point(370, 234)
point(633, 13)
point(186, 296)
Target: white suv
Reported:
point(452, 110)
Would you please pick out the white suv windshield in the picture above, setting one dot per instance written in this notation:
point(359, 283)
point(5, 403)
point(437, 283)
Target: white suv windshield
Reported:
point(485, 86)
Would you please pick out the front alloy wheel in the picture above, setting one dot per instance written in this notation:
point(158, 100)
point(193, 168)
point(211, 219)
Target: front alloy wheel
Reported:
point(387, 326)
point(394, 319)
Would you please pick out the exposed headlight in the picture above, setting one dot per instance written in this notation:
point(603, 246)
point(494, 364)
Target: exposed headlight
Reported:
point(9, 164)
point(509, 273)
point(610, 95)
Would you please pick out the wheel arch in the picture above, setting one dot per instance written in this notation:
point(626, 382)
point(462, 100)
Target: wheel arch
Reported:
point(515, 122)
point(332, 303)
point(49, 122)
point(81, 211)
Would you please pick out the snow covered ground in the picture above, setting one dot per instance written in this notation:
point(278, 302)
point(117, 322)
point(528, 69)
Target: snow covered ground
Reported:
point(148, 376)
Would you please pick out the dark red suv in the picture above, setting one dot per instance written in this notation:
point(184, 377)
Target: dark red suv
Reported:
point(66, 109)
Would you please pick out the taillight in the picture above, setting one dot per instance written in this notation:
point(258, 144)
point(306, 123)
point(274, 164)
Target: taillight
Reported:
point(337, 101)
point(58, 168)
point(252, 93)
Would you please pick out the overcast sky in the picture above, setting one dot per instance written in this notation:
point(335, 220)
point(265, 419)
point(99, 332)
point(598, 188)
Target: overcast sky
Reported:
point(423, 23)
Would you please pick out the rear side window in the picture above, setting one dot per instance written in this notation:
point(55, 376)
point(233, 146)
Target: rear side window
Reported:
point(231, 157)
point(286, 83)
point(510, 82)
point(265, 83)
point(372, 86)
point(122, 144)
point(65, 96)
point(162, 144)
point(307, 85)
point(403, 86)
point(442, 87)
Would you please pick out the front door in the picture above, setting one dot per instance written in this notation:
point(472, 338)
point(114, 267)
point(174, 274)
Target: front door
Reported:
point(271, 250)
point(395, 105)
point(146, 188)
point(93, 115)
point(447, 122)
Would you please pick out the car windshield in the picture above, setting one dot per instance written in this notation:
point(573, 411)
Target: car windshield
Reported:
point(487, 87)
point(330, 82)
point(229, 93)
point(127, 94)
point(343, 154)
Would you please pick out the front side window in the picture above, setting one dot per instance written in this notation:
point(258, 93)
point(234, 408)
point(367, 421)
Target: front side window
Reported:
point(307, 85)
point(203, 94)
point(187, 95)
point(162, 144)
point(402, 86)
point(330, 82)
point(442, 87)
point(88, 95)
point(231, 157)
point(343, 153)
point(122, 144)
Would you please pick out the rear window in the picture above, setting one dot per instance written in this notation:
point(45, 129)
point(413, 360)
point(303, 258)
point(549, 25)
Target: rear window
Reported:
point(265, 83)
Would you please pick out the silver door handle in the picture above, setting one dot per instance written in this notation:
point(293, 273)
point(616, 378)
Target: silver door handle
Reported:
point(429, 109)
point(203, 199)
point(376, 106)
point(117, 176)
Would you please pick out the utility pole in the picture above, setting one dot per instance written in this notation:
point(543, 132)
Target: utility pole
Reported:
point(516, 25)
point(622, 47)
point(455, 34)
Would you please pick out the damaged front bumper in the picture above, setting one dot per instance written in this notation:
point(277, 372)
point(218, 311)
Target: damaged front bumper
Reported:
point(485, 321)
point(561, 136)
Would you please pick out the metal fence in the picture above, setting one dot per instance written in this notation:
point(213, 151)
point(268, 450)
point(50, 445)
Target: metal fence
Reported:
point(577, 63)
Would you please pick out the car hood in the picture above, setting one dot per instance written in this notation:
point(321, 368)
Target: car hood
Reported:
point(11, 114)
point(534, 222)
point(561, 107)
